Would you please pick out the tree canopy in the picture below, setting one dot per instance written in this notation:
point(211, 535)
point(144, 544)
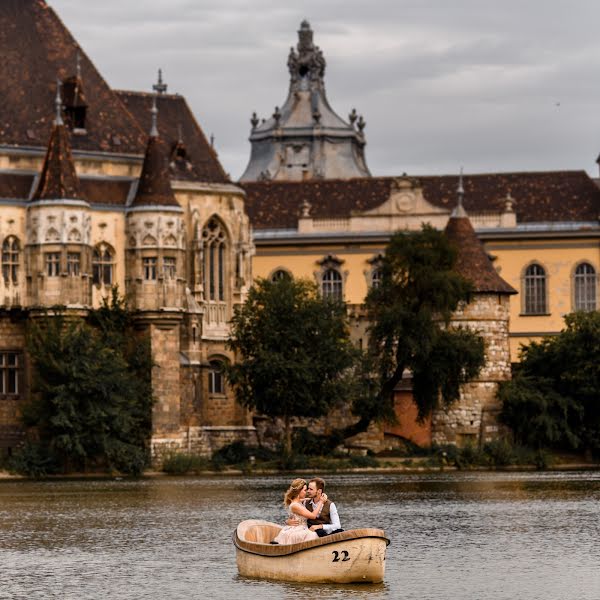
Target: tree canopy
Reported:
point(553, 399)
point(92, 398)
point(409, 313)
point(292, 351)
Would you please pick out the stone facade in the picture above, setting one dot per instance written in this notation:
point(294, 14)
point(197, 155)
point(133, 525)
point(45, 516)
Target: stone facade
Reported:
point(473, 419)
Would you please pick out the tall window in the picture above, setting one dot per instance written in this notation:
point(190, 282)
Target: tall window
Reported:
point(53, 264)
point(332, 284)
point(102, 266)
point(169, 267)
point(585, 287)
point(9, 373)
point(149, 265)
point(376, 277)
point(73, 263)
point(214, 242)
point(535, 290)
point(216, 385)
point(10, 260)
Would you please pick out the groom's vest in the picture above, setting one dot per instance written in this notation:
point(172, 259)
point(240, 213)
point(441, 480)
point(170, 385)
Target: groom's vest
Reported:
point(323, 518)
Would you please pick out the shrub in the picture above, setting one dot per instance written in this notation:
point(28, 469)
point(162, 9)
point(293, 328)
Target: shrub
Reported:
point(182, 463)
point(32, 460)
point(363, 461)
point(499, 453)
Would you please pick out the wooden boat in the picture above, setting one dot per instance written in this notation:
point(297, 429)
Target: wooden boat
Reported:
point(354, 556)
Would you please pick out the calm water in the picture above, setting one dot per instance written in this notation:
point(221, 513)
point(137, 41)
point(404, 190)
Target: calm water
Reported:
point(482, 536)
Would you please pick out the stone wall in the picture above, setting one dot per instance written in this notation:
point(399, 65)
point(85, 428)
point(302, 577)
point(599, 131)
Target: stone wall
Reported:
point(473, 418)
point(12, 339)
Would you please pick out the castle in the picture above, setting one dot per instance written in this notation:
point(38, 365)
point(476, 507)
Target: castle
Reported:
point(100, 187)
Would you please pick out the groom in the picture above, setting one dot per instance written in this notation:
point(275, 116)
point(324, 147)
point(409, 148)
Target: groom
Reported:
point(328, 521)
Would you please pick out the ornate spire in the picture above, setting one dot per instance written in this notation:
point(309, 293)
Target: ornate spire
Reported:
point(154, 112)
point(58, 179)
point(307, 63)
point(58, 120)
point(459, 211)
point(159, 87)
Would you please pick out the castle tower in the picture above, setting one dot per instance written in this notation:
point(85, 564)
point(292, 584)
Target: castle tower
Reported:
point(58, 228)
point(155, 277)
point(473, 419)
point(306, 139)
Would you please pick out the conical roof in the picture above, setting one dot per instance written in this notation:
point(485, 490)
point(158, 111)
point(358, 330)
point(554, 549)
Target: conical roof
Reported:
point(473, 263)
point(58, 180)
point(154, 187)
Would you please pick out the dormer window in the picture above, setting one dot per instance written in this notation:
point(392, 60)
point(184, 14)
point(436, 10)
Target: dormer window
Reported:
point(75, 104)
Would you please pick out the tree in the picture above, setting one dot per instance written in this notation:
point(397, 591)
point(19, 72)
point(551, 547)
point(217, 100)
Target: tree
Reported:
point(409, 311)
point(293, 348)
point(554, 397)
point(92, 390)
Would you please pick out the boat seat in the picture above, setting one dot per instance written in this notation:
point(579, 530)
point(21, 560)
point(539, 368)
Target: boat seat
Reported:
point(261, 534)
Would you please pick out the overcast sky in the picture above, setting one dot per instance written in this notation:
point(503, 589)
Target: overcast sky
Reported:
point(488, 85)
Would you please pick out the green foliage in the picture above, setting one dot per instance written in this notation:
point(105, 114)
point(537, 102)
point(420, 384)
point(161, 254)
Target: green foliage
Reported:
point(554, 397)
point(93, 398)
point(409, 313)
point(32, 460)
point(293, 348)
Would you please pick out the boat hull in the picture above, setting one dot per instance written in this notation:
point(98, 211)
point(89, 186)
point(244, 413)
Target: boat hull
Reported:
point(355, 556)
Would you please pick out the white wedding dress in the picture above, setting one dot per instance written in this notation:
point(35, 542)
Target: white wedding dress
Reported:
point(294, 534)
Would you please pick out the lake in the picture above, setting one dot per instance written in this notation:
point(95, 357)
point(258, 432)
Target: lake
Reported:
point(485, 536)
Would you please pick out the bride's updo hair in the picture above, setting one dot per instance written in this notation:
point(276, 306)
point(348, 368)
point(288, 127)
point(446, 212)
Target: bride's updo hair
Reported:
point(293, 491)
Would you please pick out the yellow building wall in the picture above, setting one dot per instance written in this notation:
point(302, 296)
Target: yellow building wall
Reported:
point(560, 258)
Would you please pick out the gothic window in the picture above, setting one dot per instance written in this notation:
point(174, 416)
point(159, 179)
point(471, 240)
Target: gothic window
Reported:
point(216, 383)
point(10, 363)
point(73, 263)
point(280, 274)
point(585, 287)
point(149, 267)
point(535, 290)
point(331, 284)
point(102, 265)
point(52, 264)
point(214, 244)
point(10, 260)
point(169, 267)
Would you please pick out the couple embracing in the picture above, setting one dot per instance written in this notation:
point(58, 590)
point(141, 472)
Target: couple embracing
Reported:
point(311, 513)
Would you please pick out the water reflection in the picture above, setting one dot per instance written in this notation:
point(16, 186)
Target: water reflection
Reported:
point(454, 535)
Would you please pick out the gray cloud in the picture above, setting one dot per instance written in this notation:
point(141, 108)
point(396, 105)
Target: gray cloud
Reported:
point(488, 85)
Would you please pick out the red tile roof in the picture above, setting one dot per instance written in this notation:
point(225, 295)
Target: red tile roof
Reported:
point(473, 262)
point(190, 155)
point(35, 48)
point(542, 196)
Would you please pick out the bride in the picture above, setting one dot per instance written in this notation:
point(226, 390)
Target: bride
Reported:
point(293, 534)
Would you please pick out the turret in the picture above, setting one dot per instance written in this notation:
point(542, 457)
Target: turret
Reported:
point(305, 138)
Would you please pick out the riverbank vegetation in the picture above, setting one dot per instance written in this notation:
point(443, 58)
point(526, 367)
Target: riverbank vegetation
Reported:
point(91, 403)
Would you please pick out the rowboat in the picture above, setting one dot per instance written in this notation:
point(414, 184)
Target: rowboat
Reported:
point(354, 556)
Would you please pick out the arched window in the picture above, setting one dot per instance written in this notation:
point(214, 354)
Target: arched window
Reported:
point(535, 290)
point(216, 383)
point(585, 287)
point(10, 260)
point(376, 277)
point(280, 274)
point(331, 284)
point(214, 243)
point(102, 265)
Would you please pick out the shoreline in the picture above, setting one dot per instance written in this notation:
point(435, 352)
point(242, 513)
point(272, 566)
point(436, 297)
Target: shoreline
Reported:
point(151, 474)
